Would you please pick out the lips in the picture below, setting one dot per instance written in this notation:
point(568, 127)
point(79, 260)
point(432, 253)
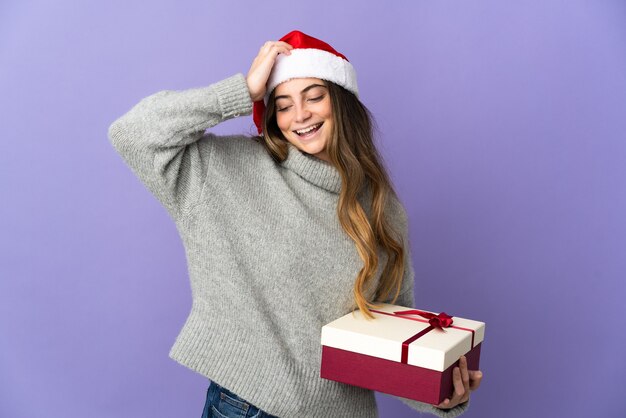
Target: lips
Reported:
point(308, 131)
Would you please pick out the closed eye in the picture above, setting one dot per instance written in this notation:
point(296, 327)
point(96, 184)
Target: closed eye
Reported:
point(313, 99)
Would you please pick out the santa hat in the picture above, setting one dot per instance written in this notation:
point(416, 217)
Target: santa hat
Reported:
point(310, 57)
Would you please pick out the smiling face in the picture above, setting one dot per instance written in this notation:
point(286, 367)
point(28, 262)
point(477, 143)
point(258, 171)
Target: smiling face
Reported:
point(304, 114)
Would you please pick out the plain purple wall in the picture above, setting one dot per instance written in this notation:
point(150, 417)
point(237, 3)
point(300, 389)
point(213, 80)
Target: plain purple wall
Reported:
point(503, 126)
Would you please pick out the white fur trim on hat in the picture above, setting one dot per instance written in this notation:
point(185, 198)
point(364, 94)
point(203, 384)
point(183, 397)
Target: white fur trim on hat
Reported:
point(313, 63)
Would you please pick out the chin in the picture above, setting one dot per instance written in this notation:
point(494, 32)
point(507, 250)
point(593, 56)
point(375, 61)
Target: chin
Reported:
point(311, 148)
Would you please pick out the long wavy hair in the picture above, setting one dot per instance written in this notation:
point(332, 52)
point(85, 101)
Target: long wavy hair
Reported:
point(352, 151)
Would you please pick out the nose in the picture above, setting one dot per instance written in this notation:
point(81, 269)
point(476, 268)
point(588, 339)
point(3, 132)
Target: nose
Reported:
point(302, 113)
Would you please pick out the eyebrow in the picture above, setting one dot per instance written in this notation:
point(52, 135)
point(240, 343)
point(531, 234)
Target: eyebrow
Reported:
point(284, 96)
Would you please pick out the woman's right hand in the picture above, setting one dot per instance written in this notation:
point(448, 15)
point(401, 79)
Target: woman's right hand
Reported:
point(262, 67)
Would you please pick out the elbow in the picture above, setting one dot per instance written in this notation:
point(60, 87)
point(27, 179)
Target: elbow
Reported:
point(114, 131)
point(122, 135)
point(138, 122)
point(117, 131)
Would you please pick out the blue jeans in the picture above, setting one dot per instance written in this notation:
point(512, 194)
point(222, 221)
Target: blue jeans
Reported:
point(222, 403)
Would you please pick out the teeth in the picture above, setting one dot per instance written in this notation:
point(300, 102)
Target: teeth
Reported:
point(309, 129)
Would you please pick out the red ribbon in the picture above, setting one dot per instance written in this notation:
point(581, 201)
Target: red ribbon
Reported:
point(440, 321)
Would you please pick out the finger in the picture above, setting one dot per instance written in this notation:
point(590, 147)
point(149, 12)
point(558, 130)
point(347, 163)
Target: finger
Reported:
point(459, 388)
point(475, 379)
point(285, 44)
point(464, 373)
point(465, 379)
point(267, 45)
point(288, 45)
point(267, 56)
point(275, 44)
point(458, 391)
point(445, 404)
point(280, 49)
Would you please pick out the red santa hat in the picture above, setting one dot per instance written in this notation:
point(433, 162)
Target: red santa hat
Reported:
point(310, 57)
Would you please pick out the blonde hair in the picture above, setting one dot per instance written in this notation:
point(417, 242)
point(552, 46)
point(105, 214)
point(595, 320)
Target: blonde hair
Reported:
point(352, 151)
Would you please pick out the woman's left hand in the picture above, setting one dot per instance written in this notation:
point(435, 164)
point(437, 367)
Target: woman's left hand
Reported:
point(465, 381)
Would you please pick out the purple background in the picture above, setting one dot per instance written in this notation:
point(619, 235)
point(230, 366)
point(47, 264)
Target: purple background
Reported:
point(502, 124)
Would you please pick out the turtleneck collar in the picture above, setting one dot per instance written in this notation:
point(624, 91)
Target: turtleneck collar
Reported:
point(313, 169)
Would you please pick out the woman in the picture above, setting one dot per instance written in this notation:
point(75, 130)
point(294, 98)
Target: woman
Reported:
point(283, 232)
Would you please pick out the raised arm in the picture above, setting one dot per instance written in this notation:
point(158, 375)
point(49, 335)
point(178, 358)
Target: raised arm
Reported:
point(162, 138)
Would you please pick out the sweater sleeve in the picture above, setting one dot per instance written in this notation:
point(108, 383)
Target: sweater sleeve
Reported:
point(162, 138)
point(406, 298)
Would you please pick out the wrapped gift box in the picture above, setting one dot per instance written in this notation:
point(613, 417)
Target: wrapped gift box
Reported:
point(399, 352)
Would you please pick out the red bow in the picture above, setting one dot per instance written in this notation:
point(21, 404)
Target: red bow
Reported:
point(440, 321)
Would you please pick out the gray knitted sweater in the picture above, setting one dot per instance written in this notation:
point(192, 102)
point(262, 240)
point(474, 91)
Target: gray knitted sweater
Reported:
point(268, 260)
